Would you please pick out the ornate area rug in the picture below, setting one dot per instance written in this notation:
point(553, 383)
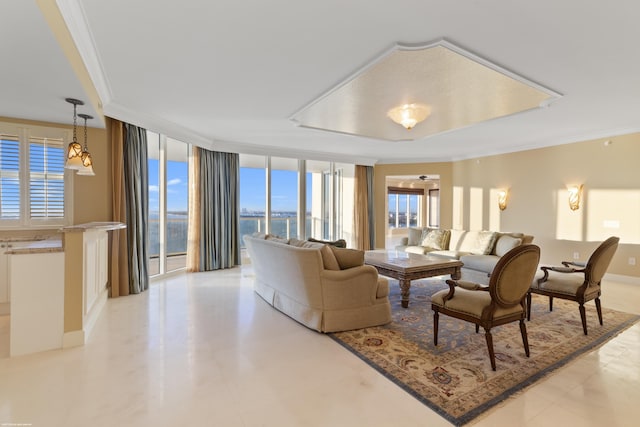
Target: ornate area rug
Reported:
point(455, 378)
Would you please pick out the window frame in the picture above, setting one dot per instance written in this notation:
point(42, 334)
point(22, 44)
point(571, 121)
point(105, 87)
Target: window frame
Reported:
point(26, 133)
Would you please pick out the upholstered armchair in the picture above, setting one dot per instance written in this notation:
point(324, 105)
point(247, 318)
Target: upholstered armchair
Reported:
point(501, 302)
point(575, 281)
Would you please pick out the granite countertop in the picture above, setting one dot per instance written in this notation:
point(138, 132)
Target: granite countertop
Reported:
point(37, 246)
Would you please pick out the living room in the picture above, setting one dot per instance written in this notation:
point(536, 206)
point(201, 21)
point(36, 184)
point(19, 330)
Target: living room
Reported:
point(207, 348)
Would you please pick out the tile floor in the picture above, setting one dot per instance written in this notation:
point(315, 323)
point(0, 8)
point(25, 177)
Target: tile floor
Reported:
point(203, 350)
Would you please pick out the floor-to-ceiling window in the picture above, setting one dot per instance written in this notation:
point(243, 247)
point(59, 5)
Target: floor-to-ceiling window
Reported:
point(253, 197)
point(298, 198)
point(284, 197)
point(168, 203)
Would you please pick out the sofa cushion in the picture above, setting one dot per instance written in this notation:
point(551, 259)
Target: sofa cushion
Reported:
point(348, 258)
point(416, 249)
point(478, 242)
point(505, 243)
point(448, 254)
point(484, 263)
point(435, 238)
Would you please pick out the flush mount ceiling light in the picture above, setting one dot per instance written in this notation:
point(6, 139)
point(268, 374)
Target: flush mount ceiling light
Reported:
point(462, 89)
point(408, 115)
point(74, 149)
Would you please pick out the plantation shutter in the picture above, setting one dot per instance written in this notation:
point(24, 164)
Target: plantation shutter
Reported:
point(9, 177)
point(46, 178)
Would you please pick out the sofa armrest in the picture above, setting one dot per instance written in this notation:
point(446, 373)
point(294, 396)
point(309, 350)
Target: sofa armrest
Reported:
point(353, 287)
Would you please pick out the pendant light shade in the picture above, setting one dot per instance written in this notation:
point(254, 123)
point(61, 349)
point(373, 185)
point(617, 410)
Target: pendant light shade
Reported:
point(86, 163)
point(74, 149)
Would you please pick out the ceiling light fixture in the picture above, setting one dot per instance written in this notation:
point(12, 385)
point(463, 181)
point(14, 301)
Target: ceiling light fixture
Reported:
point(74, 149)
point(409, 115)
point(87, 163)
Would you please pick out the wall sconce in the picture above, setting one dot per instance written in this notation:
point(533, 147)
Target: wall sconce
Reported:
point(74, 149)
point(503, 195)
point(409, 115)
point(87, 163)
point(575, 194)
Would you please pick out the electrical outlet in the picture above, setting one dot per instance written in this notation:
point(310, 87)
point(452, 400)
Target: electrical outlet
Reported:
point(632, 260)
point(576, 255)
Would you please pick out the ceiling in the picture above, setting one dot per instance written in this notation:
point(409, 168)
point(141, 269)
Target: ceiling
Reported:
point(230, 74)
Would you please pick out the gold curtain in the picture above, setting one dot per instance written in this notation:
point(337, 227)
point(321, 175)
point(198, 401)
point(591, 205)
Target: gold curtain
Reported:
point(119, 268)
point(361, 209)
point(193, 241)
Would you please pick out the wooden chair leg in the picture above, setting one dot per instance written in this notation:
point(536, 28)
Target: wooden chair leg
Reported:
point(525, 341)
point(435, 328)
point(599, 309)
point(477, 328)
point(492, 355)
point(583, 317)
point(529, 305)
point(550, 303)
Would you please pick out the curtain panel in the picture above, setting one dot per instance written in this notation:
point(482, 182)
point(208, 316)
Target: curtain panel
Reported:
point(363, 208)
point(118, 262)
point(137, 199)
point(219, 210)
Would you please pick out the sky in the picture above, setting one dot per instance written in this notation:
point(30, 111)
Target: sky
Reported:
point(177, 186)
point(284, 188)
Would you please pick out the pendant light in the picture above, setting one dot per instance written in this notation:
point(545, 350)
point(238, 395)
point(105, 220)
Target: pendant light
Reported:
point(87, 163)
point(74, 150)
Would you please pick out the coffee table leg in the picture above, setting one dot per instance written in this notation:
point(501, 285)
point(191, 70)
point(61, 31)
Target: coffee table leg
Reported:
point(404, 291)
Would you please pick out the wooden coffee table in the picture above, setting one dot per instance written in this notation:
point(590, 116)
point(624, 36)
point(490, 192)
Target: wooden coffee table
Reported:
point(407, 267)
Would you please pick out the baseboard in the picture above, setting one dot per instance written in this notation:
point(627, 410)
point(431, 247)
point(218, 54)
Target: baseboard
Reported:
point(629, 280)
point(72, 339)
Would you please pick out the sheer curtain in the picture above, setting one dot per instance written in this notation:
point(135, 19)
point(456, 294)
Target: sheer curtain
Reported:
point(193, 229)
point(217, 191)
point(363, 208)
point(137, 198)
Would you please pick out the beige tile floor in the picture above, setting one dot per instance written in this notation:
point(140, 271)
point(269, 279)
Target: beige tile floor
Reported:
point(203, 350)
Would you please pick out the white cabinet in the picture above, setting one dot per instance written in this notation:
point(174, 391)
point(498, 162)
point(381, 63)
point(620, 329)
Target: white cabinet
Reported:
point(95, 257)
point(37, 304)
point(5, 290)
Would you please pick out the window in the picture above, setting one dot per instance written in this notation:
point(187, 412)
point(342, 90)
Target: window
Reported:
point(404, 207)
point(168, 170)
point(33, 181)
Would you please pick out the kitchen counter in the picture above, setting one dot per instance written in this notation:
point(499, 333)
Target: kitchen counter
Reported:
point(35, 246)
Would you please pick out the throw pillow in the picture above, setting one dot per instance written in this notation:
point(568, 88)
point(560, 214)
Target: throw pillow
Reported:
point(329, 261)
point(297, 243)
point(485, 241)
point(435, 239)
point(340, 243)
point(505, 243)
point(274, 238)
point(348, 258)
point(415, 236)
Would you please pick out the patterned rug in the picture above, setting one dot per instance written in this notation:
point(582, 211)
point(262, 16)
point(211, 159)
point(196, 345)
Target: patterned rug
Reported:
point(455, 378)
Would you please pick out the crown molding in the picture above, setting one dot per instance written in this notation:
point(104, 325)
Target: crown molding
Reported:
point(186, 135)
point(76, 21)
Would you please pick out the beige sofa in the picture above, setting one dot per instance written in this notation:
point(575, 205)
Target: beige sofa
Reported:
point(325, 288)
point(479, 251)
